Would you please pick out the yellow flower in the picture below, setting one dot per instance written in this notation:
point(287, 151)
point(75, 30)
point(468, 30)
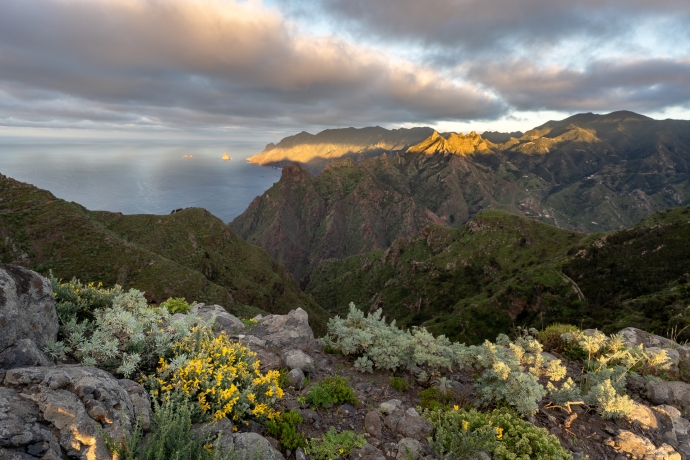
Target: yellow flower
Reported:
point(456, 407)
point(499, 433)
point(465, 425)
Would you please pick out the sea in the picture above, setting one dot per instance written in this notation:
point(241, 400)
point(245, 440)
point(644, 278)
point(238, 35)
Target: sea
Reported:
point(141, 177)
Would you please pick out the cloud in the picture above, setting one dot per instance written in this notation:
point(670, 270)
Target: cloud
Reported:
point(604, 85)
point(458, 28)
point(199, 63)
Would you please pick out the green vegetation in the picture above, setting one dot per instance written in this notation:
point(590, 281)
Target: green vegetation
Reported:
point(78, 301)
point(432, 398)
point(474, 282)
point(461, 434)
point(219, 377)
point(331, 390)
point(333, 445)
point(127, 339)
point(176, 305)
point(190, 254)
point(171, 437)
point(400, 384)
point(607, 362)
point(551, 337)
point(284, 428)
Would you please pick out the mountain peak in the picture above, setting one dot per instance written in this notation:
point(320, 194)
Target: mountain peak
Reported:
point(456, 143)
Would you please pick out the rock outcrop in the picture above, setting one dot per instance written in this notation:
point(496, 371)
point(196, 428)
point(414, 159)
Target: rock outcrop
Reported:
point(28, 320)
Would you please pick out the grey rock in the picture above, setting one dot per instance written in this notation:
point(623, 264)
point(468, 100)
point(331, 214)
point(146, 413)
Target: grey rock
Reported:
point(27, 312)
point(288, 331)
point(78, 403)
point(414, 426)
point(140, 402)
point(367, 452)
point(269, 361)
point(673, 393)
point(373, 423)
point(253, 445)
point(297, 359)
point(222, 428)
point(21, 428)
point(23, 352)
point(296, 378)
point(347, 410)
point(392, 411)
point(300, 455)
point(409, 449)
point(224, 321)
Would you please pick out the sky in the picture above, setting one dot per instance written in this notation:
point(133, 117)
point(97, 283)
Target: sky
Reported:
point(263, 68)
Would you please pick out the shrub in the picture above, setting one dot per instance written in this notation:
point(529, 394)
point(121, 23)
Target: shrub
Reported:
point(433, 399)
point(333, 444)
point(176, 305)
point(607, 362)
point(249, 323)
point(510, 371)
point(551, 336)
point(385, 346)
point(400, 384)
point(221, 376)
point(125, 339)
point(460, 434)
point(284, 428)
point(331, 390)
point(78, 301)
point(171, 437)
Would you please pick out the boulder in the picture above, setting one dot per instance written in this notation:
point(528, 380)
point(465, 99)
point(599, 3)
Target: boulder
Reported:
point(373, 423)
point(224, 321)
point(673, 393)
point(635, 446)
point(296, 378)
point(409, 449)
point(21, 430)
point(287, 331)
point(79, 404)
point(222, 428)
point(367, 452)
point(253, 445)
point(28, 319)
point(392, 411)
point(140, 402)
point(412, 425)
point(297, 359)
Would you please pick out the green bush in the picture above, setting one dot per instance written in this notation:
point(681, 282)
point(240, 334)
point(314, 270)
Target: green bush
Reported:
point(385, 346)
point(551, 337)
point(284, 429)
point(331, 390)
point(460, 434)
point(607, 362)
point(176, 305)
point(127, 338)
point(78, 301)
point(333, 445)
point(400, 384)
point(171, 437)
point(221, 377)
point(433, 399)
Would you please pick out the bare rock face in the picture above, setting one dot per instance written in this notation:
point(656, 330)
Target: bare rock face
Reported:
point(66, 410)
point(253, 445)
point(28, 320)
point(634, 446)
point(224, 321)
point(297, 359)
point(291, 331)
point(673, 393)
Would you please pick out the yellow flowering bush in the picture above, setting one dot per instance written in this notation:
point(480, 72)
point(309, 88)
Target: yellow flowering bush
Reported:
point(222, 377)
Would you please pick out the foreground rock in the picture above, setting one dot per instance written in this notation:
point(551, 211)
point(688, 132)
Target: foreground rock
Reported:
point(28, 320)
point(50, 412)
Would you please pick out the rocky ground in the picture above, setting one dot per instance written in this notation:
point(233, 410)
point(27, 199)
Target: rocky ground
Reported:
point(62, 411)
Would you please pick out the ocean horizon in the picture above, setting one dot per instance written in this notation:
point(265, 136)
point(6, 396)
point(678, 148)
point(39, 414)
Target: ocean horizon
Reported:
point(141, 177)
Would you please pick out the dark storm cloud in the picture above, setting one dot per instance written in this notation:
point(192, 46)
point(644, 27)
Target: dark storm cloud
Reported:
point(203, 62)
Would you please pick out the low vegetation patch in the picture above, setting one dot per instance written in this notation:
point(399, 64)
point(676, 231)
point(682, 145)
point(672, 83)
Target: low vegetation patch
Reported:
point(461, 434)
point(331, 390)
point(334, 445)
point(283, 427)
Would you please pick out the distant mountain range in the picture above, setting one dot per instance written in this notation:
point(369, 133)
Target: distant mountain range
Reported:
point(587, 173)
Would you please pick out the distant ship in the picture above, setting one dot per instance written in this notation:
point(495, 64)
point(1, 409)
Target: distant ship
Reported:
point(226, 156)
